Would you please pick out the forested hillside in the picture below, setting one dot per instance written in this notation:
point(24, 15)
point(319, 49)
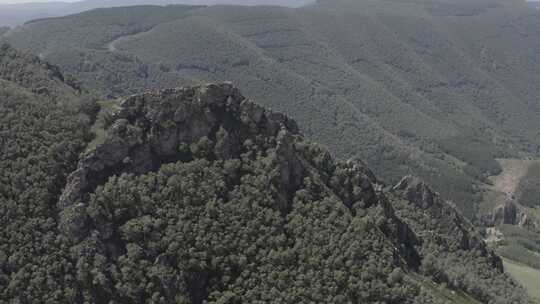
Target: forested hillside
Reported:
point(44, 125)
point(14, 14)
point(125, 177)
point(198, 195)
point(435, 88)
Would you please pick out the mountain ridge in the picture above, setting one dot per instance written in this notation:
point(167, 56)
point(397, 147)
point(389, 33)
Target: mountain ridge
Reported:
point(410, 92)
point(19, 14)
point(177, 121)
point(197, 194)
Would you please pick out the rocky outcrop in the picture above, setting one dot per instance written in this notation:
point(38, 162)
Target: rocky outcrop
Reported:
point(355, 184)
point(510, 213)
point(151, 129)
point(416, 191)
point(454, 232)
point(214, 121)
point(261, 155)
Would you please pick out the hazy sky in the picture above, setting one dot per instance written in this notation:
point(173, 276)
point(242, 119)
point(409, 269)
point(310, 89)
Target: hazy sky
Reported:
point(26, 1)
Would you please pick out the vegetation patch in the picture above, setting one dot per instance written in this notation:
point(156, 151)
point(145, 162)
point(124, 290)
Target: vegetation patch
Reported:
point(520, 245)
point(528, 189)
point(525, 275)
point(401, 91)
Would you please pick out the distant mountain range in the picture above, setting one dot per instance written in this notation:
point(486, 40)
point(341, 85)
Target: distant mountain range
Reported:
point(16, 14)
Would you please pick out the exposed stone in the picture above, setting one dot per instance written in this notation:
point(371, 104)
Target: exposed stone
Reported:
point(291, 169)
point(153, 128)
point(454, 230)
point(218, 123)
point(416, 191)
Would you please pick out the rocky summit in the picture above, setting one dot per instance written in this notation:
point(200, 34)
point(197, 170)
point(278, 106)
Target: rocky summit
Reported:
point(174, 161)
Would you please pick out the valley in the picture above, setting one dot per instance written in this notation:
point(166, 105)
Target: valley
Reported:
point(526, 275)
point(505, 186)
point(513, 238)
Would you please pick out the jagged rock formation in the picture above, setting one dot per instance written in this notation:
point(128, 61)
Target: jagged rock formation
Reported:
point(164, 140)
point(162, 127)
point(156, 128)
point(454, 231)
point(152, 128)
point(416, 191)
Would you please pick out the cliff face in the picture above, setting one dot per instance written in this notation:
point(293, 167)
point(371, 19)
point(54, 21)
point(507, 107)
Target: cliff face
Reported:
point(153, 128)
point(213, 122)
point(175, 161)
point(453, 232)
point(174, 125)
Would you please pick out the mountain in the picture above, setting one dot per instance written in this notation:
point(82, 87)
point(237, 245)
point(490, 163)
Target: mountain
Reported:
point(435, 88)
point(44, 126)
point(17, 14)
point(198, 195)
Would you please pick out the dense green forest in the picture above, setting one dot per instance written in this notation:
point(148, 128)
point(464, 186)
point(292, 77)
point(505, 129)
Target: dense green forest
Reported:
point(44, 125)
point(438, 89)
point(198, 195)
point(189, 192)
point(15, 14)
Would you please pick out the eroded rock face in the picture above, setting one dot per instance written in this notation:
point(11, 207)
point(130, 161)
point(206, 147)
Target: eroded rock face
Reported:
point(355, 184)
point(150, 129)
point(156, 127)
point(416, 191)
point(217, 122)
point(454, 231)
